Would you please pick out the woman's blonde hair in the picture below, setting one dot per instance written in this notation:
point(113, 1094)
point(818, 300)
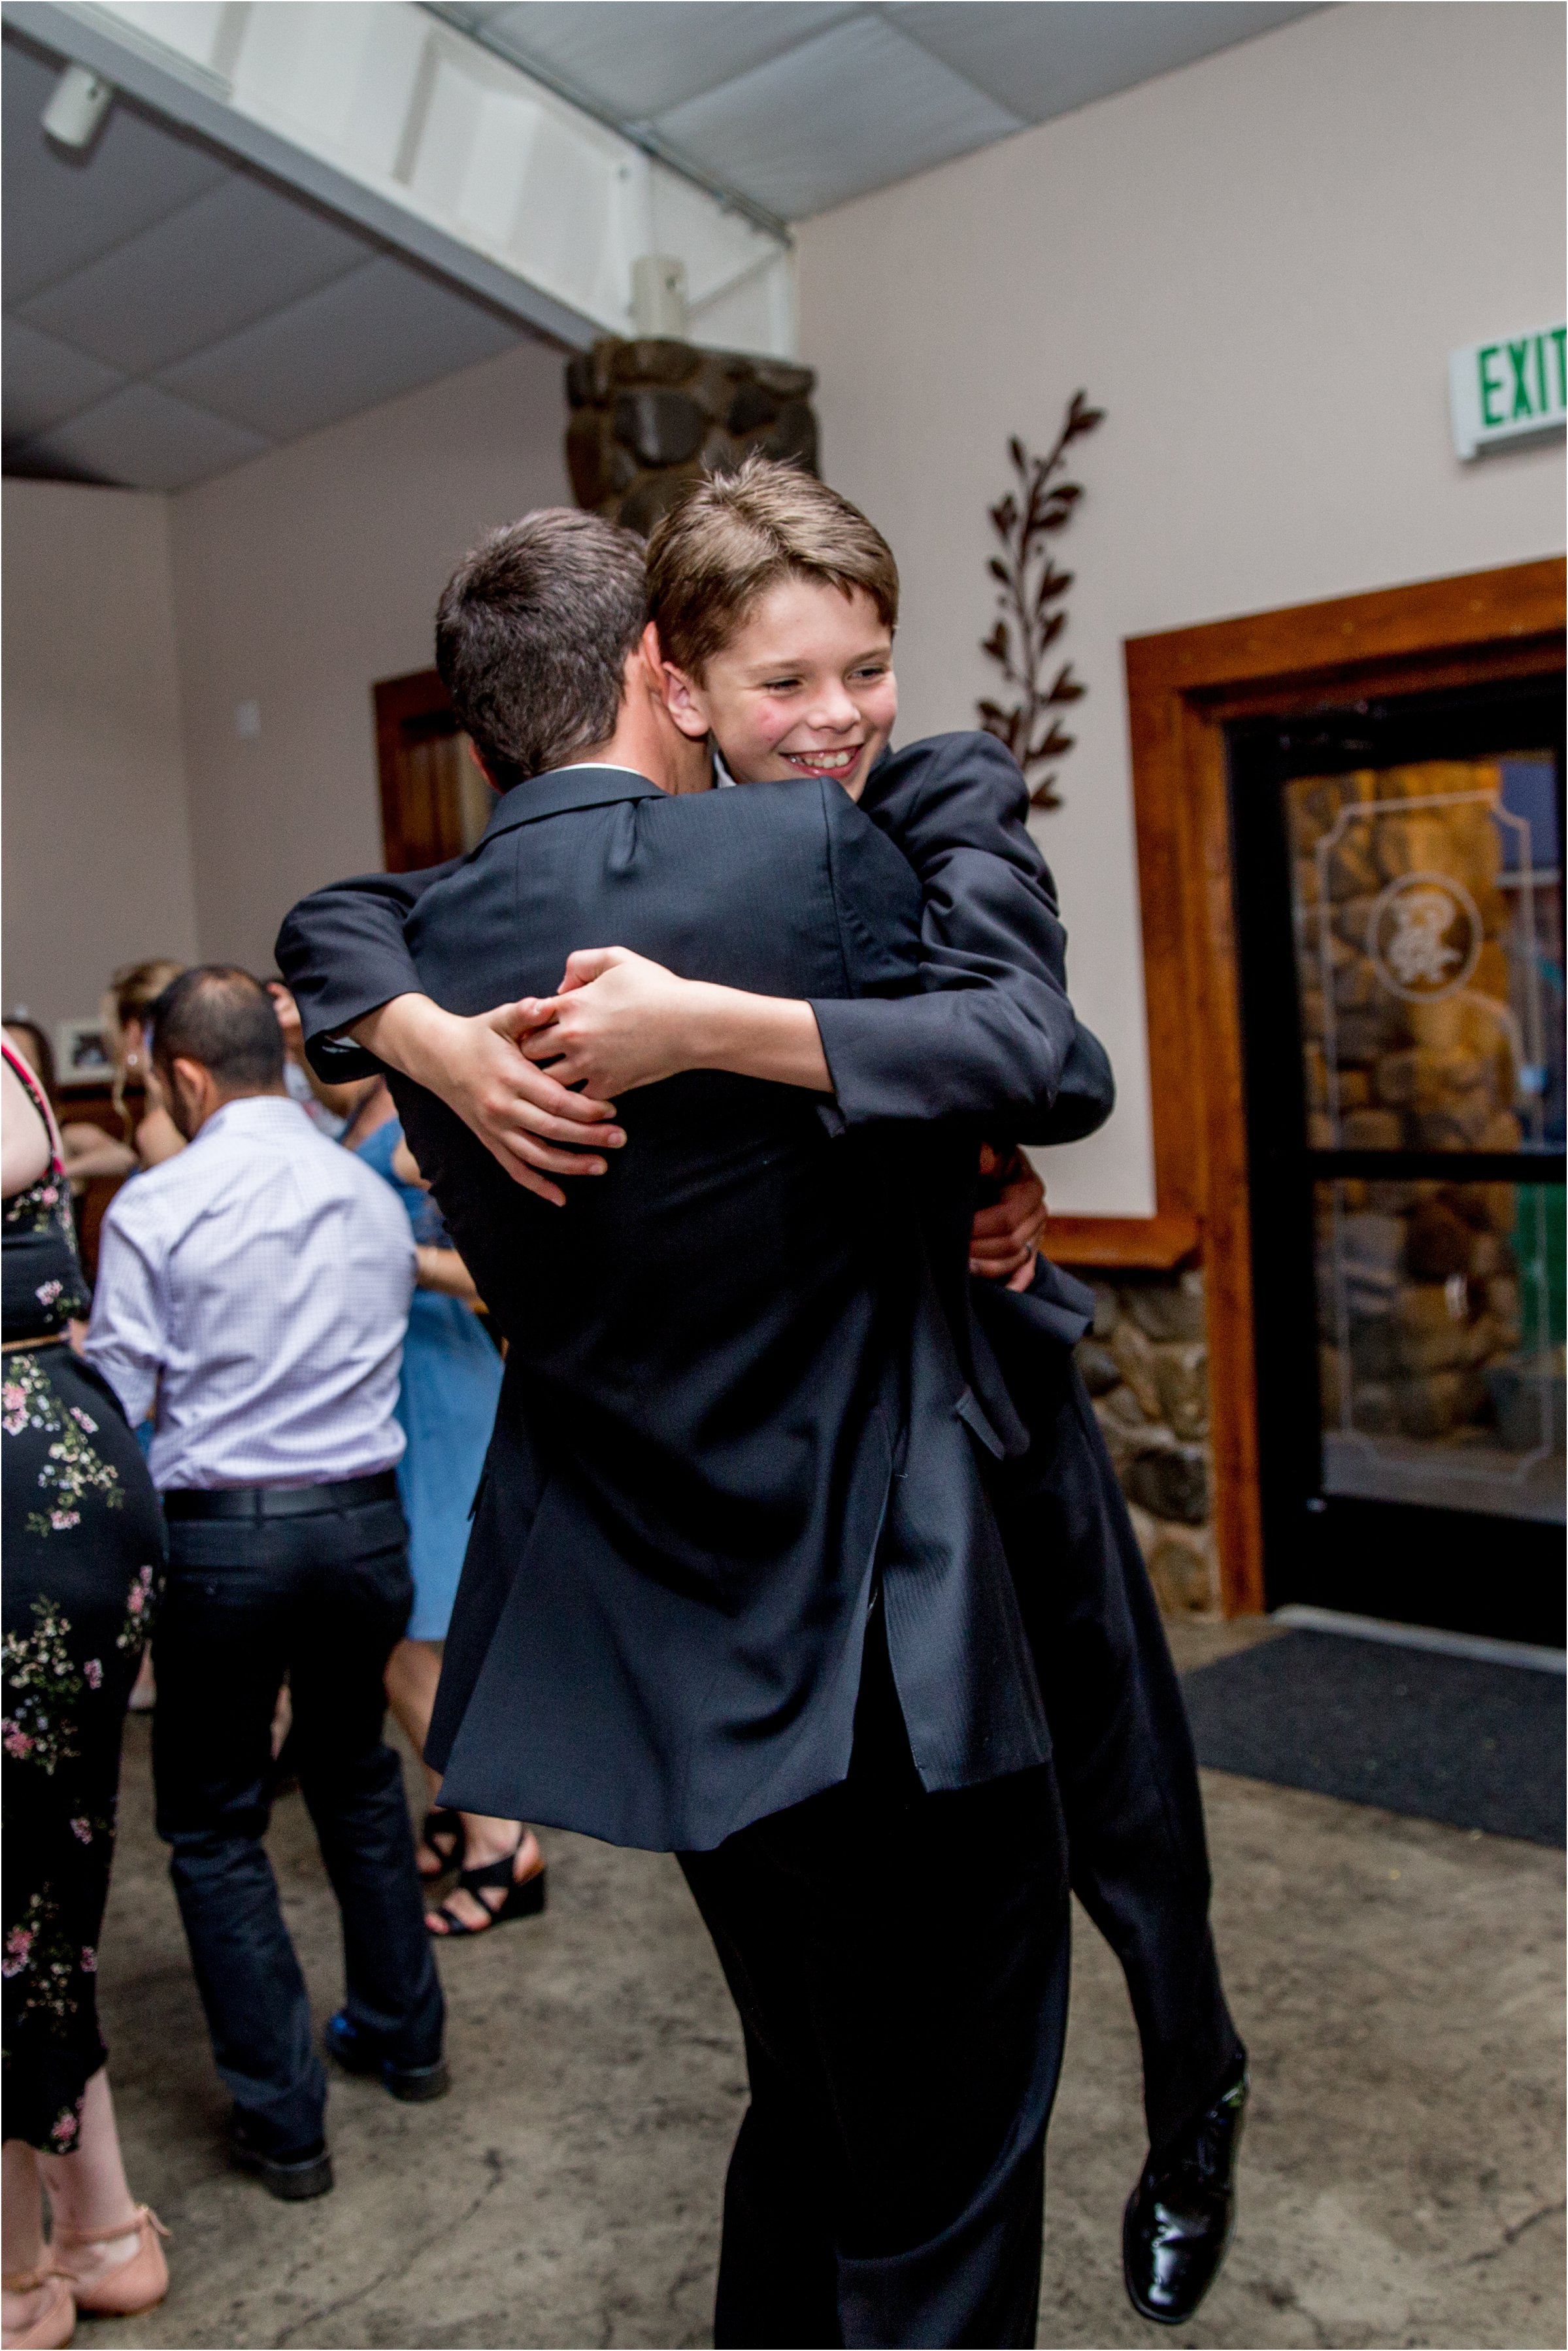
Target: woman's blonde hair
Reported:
point(131, 993)
point(733, 536)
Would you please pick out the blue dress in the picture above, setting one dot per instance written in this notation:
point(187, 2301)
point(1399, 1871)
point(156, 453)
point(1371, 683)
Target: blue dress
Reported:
point(446, 1406)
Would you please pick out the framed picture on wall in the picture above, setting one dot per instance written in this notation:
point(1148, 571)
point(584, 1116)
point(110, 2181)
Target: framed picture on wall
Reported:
point(83, 1056)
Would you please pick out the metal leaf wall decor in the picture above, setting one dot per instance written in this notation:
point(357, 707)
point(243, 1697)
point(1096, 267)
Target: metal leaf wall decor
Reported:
point(1031, 612)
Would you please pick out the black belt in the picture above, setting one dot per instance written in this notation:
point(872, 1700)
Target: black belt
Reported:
point(279, 1501)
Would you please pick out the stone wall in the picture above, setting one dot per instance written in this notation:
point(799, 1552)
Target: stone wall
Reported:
point(650, 416)
point(1145, 1365)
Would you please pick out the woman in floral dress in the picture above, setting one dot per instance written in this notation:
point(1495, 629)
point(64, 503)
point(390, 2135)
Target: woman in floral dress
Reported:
point(83, 1558)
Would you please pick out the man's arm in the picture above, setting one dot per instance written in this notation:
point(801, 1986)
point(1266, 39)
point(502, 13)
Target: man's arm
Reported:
point(126, 1337)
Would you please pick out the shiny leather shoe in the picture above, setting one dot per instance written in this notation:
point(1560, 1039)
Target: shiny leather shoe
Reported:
point(1181, 2215)
point(356, 2053)
point(293, 2177)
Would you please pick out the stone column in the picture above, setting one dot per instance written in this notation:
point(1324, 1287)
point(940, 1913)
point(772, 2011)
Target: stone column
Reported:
point(649, 416)
point(1146, 1364)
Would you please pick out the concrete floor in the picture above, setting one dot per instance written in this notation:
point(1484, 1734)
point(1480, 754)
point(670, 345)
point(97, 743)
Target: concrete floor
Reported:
point(1400, 1985)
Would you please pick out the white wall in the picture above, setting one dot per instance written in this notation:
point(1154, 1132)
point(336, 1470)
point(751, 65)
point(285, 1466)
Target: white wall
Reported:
point(301, 580)
point(1258, 265)
point(97, 862)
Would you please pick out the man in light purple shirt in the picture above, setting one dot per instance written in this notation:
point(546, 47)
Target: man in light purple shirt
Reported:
point(253, 1294)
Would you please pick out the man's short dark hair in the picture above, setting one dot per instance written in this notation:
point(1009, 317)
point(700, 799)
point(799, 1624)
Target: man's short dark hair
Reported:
point(218, 1015)
point(532, 635)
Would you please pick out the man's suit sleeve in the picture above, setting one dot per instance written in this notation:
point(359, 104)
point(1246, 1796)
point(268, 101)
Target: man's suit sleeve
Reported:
point(341, 952)
point(992, 1035)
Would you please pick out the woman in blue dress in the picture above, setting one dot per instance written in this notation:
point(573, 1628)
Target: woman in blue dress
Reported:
point(446, 1406)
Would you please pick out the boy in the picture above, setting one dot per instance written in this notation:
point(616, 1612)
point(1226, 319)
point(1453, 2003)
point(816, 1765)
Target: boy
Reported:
point(775, 602)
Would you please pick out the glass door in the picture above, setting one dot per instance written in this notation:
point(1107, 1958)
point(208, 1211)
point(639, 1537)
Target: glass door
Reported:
point(1400, 922)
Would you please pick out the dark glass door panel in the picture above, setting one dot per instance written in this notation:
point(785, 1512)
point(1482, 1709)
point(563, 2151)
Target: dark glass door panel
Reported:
point(1400, 926)
point(1427, 908)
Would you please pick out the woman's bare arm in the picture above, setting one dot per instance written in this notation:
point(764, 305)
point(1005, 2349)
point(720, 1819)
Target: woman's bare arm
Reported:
point(23, 1138)
point(443, 1269)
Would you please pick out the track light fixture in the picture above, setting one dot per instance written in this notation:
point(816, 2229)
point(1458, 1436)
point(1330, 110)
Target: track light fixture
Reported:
point(74, 115)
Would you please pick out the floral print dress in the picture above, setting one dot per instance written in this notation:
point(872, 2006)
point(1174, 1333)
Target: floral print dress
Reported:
point(83, 1563)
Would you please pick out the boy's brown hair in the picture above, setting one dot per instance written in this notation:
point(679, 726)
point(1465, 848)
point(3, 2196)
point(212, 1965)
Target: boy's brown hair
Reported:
point(735, 535)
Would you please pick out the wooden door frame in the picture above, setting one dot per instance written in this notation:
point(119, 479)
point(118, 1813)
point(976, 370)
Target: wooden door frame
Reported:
point(418, 694)
point(1183, 687)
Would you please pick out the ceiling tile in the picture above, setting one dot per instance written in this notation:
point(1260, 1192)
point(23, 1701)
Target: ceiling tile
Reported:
point(858, 106)
point(638, 57)
point(61, 213)
point(235, 255)
point(144, 437)
point(380, 332)
point(46, 381)
point(1042, 58)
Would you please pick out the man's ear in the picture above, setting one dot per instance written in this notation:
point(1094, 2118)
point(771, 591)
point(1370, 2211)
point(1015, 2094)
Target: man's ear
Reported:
point(682, 699)
point(478, 759)
point(186, 1082)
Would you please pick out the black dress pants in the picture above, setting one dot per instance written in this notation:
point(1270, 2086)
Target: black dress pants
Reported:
point(323, 1598)
point(1123, 1751)
point(899, 1964)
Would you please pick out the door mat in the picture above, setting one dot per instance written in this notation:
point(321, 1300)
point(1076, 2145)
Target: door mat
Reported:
point(1459, 1739)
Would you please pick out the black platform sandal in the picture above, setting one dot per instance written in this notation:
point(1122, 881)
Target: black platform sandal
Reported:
point(525, 1896)
point(443, 1821)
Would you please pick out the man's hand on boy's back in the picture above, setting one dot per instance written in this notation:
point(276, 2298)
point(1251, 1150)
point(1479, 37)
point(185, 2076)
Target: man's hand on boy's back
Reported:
point(1005, 1236)
point(522, 1115)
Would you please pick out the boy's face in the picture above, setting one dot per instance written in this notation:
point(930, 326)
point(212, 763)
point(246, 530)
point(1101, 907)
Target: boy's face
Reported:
point(805, 687)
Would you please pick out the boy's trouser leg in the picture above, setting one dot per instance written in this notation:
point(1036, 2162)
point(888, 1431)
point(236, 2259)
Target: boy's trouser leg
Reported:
point(1123, 1751)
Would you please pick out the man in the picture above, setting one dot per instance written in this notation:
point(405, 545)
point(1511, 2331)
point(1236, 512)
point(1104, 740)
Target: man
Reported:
point(252, 1294)
point(1121, 1747)
point(735, 1589)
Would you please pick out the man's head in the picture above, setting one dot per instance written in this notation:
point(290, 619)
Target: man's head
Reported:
point(215, 1039)
point(775, 602)
point(533, 635)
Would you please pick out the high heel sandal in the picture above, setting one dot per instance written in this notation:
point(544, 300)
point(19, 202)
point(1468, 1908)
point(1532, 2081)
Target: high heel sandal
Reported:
point(443, 1821)
point(55, 2324)
point(137, 2284)
point(525, 1896)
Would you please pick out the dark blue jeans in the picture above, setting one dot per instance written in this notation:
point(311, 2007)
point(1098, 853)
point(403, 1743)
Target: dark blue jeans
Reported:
point(323, 1598)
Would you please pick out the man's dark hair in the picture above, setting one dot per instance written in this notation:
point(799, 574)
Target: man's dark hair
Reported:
point(532, 634)
point(218, 1015)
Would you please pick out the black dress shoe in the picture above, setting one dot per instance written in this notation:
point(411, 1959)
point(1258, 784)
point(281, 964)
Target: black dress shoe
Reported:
point(293, 2175)
point(357, 2053)
point(1181, 2215)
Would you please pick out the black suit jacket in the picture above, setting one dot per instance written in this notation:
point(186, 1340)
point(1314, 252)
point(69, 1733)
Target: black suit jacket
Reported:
point(732, 1391)
point(992, 1001)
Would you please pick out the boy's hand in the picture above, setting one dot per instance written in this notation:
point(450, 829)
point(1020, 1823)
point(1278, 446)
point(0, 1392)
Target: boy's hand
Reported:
point(1004, 1238)
point(619, 1021)
point(520, 1114)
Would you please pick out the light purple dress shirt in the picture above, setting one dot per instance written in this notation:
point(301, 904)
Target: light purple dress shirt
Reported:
point(252, 1292)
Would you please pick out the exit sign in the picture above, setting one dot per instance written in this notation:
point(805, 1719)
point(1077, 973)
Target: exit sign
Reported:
point(1513, 389)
